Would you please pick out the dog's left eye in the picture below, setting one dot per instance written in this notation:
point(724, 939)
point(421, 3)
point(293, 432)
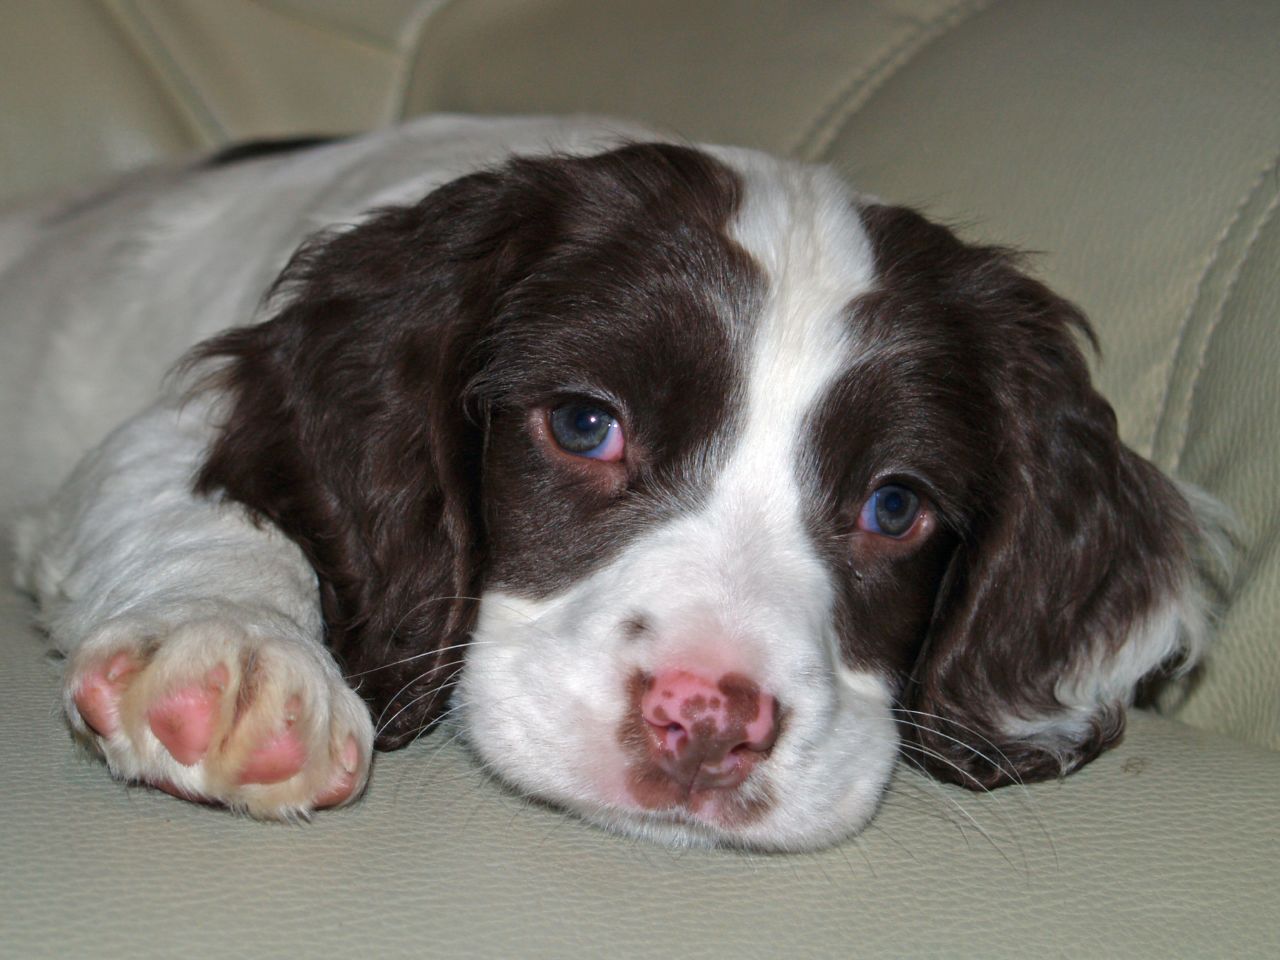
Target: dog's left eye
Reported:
point(587, 431)
point(891, 511)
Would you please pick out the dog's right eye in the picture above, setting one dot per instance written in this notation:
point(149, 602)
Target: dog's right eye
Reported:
point(588, 431)
point(891, 511)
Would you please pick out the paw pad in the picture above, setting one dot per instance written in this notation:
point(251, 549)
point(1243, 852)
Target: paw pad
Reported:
point(97, 697)
point(268, 727)
point(184, 720)
point(280, 756)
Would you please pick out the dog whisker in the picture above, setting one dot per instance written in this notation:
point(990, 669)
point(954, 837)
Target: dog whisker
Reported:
point(440, 651)
point(966, 775)
point(1011, 772)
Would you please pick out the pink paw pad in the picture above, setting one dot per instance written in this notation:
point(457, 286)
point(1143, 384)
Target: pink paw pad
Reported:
point(184, 720)
point(344, 780)
point(98, 696)
point(279, 757)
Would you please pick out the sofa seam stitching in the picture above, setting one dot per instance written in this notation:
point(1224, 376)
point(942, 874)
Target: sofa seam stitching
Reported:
point(1220, 311)
point(813, 143)
point(351, 35)
point(411, 51)
point(1163, 412)
point(182, 94)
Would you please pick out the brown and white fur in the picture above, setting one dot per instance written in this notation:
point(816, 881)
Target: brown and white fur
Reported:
point(359, 514)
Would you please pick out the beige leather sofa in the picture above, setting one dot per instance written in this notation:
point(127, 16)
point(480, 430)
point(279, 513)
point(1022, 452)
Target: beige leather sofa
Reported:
point(1134, 144)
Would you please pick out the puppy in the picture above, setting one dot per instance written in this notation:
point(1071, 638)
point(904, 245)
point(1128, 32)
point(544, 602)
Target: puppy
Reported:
point(692, 487)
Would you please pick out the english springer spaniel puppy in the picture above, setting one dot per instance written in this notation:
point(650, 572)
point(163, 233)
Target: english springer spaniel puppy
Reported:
point(692, 487)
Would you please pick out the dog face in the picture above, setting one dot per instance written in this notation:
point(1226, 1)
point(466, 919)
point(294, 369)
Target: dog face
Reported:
point(705, 490)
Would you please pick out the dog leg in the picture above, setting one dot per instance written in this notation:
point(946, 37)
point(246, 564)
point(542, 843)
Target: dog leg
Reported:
point(193, 634)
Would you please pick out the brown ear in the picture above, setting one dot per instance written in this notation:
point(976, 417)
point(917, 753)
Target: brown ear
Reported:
point(1073, 579)
point(1076, 590)
point(352, 415)
point(345, 428)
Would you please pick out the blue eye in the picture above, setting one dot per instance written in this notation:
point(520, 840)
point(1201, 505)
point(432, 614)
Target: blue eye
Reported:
point(891, 511)
point(587, 431)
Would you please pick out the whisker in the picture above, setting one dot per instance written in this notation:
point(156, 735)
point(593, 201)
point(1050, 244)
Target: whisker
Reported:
point(1009, 771)
point(1023, 789)
point(378, 724)
point(1010, 824)
point(857, 842)
point(425, 653)
point(963, 811)
point(379, 727)
point(874, 824)
point(425, 602)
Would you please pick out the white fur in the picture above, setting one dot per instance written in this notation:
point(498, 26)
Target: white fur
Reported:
point(126, 559)
point(733, 587)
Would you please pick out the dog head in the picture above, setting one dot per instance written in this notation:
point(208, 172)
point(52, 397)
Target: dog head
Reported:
point(705, 490)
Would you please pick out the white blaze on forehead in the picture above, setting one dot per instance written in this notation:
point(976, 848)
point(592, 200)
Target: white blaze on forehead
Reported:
point(802, 228)
point(733, 584)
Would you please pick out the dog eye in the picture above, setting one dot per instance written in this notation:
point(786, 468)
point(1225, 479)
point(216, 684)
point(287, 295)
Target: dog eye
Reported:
point(587, 431)
point(891, 511)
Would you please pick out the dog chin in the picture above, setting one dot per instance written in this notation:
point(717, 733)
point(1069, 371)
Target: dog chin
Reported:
point(715, 821)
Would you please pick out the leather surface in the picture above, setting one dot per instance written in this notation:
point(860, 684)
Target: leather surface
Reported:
point(90, 86)
point(751, 72)
point(1227, 440)
point(1134, 144)
point(1167, 846)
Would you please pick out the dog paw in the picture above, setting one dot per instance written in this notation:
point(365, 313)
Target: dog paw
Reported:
point(225, 709)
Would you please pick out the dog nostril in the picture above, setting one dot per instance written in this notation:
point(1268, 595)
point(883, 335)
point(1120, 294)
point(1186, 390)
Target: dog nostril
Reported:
point(672, 738)
point(708, 732)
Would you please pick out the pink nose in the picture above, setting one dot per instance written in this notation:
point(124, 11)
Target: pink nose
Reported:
point(708, 735)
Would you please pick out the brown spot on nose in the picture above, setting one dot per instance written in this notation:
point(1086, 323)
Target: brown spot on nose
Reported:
point(691, 738)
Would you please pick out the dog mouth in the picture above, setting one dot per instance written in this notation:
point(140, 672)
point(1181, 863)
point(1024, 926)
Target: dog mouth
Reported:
point(653, 795)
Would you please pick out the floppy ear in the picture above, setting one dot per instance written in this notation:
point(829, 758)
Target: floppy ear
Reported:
point(352, 419)
point(1074, 579)
point(344, 426)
